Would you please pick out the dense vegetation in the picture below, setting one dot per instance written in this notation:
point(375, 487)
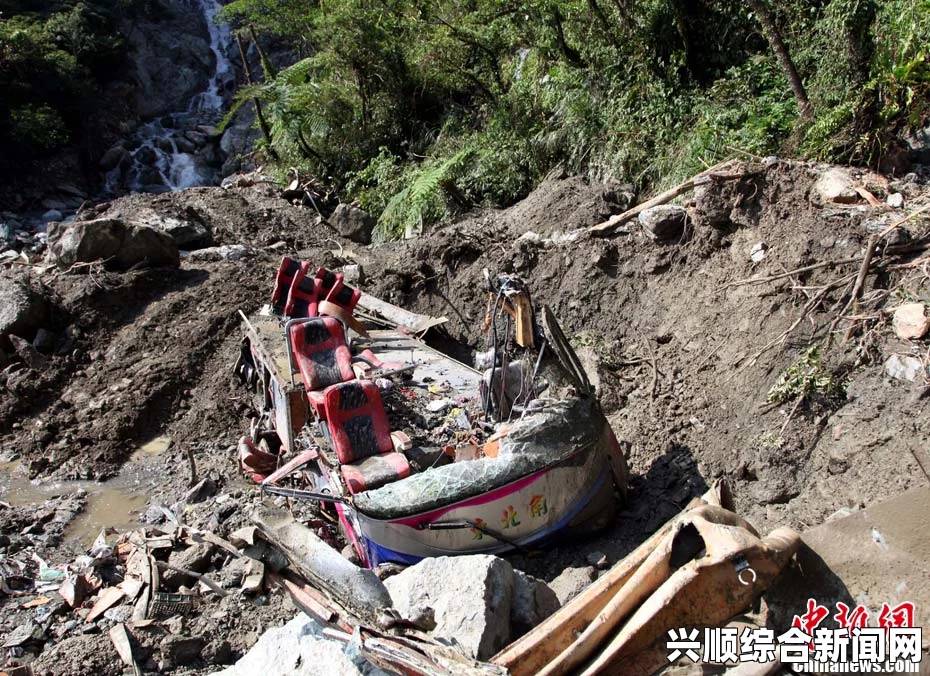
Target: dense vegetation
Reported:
point(416, 107)
point(54, 54)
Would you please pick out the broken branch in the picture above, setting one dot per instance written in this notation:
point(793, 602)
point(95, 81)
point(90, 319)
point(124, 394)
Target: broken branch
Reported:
point(619, 219)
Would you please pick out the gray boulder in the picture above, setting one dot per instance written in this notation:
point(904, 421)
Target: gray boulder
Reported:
point(186, 233)
point(299, 648)
point(353, 223)
point(571, 582)
point(904, 367)
point(471, 598)
point(229, 253)
point(533, 602)
point(666, 221)
point(118, 244)
point(22, 310)
point(835, 185)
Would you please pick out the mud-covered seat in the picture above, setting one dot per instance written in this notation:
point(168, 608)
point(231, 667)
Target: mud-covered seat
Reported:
point(322, 356)
point(304, 295)
point(361, 436)
point(283, 280)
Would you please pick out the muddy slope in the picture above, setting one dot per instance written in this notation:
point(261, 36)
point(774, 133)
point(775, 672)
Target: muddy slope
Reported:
point(684, 359)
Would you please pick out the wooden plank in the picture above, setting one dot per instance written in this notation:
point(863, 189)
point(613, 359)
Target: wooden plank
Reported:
point(411, 321)
point(531, 653)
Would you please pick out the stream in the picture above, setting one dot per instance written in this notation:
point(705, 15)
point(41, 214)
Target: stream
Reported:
point(180, 150)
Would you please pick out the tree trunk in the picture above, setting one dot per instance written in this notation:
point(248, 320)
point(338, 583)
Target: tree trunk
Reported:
point(259, 114)
point(784, 57)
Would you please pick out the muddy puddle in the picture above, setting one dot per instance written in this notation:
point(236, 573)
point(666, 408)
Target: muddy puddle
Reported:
point(117, 503)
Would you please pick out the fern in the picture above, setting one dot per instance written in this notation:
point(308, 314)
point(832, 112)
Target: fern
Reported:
point(423, 202)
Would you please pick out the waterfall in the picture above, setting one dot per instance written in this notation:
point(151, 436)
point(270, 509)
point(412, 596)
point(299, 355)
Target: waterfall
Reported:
point(179, 150)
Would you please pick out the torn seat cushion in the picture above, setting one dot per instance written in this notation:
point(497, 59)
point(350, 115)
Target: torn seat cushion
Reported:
point(357, 422)
point(321, 353)
point(375, 471)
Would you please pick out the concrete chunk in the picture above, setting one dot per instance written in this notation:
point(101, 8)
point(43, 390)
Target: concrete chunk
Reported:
point(471, 597)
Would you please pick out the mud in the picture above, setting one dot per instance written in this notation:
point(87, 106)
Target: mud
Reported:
point(666, 336)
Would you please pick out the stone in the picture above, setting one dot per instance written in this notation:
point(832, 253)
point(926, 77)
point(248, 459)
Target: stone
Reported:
point(904, 367)
point(195, 558)
point(187, 234)
point(205, 488)
point(118, 244)
point(22, 310)
point(666, 221)
point(836, 185)
point(299, 648)
point(597, 559)
point(353, 223)
point(31, 356)
point(758, 252)
point(52, 215)
point(471, 597)
point(180, 650)
point(895, 200)
point(353, 275)
point(571, 582)
point(228, 253)
point(711, 207)
point(44, 340)
point(910, 321)
point(113, 157)
point(533, 602)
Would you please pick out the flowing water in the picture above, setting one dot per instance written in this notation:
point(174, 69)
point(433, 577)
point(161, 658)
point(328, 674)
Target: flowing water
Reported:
point(176, 151)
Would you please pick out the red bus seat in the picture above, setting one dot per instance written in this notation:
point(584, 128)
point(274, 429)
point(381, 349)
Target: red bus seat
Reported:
point(282, 282)
point(304, 295)
point(322, 356)
point(361, 436)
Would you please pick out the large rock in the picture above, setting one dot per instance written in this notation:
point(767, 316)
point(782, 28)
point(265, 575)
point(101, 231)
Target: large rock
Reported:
point(836, 185)
point(22, 310)
point(354, 223)
point(186, 233)
point(666, 221)
point(533, 602)
point(571, 582)
point(299, 649)
point(119, 244)
point(905, 367)
point(471, 598)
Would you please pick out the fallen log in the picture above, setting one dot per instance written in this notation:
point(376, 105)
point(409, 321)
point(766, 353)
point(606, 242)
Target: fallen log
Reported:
point(605, 228)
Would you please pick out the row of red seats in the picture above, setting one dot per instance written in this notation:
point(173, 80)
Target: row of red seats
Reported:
point(298, 295)
point(351, 409)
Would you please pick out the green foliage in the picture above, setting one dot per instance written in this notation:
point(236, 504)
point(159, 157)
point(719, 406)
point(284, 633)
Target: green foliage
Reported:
point(425, 198)
point(805, 378)
point(52, 56)
point(384, 96)
point(39, 126)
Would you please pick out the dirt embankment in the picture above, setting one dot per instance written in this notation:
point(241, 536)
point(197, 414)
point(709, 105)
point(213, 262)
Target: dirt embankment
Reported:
point(684, 355)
